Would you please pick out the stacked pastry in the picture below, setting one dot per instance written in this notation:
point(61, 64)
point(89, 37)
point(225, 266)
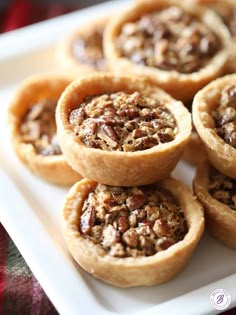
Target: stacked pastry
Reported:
point(127, 222)
point(214, 116)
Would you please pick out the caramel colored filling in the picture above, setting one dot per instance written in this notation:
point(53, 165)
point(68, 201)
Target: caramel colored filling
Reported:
point(132, 221)
point(88, 49)
point(122, 122)
point(170, 39)
point(38, 128)
point(225, 115)
point(222, 188)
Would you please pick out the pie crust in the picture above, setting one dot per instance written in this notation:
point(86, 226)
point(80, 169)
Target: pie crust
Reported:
point(182, 86)
point(132, 271)
point(120, 168)
point(64, 50)
point(220, 218)
point(220, 154)
point(194, 151)
point(51, 168)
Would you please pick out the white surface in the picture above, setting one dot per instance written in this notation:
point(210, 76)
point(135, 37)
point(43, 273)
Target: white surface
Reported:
point(30, 208)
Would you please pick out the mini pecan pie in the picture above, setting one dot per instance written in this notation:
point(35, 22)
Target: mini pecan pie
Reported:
point(121, 130)
point(33, 128)
point(214, 116)
point(217, 193)
point(132, 236)
point(82, 51)
point(179, 47)
point(226, 9)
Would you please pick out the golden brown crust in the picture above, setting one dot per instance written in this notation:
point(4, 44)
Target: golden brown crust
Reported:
point(54, 169)
point(179, 85)
point(194, 151)
point(116, 167)
point(220, 154)
point(64, 55)
point(130, 271)
point(220, 219)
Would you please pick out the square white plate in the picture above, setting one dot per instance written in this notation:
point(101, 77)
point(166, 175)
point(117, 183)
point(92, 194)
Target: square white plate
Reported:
point(30, 208)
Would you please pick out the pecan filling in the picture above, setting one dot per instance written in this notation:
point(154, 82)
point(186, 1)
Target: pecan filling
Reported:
point(89, 49)
point(225, 115)
point(228, 14)
point(122, 122)
point(39, 128)
point(222, 188)
point(132, 221)
point(170, 39)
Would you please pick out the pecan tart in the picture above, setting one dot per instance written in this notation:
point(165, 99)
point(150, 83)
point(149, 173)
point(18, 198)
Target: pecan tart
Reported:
point(226, 9)
point(118, 130)
point(82, 51)
point(214, 117)
point(33, 128)
point(217, 193)
point(180, 47)
point(132, 236)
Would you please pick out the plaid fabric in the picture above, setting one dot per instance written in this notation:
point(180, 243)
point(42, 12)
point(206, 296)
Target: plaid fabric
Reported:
point(20, 292)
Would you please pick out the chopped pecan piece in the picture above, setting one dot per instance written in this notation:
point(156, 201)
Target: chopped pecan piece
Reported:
point(87, 220)
point(147, 245)
point(96, 233)
point(136, 201)
point(225, 115)
point(110, 236)
point(164, 243)
point(117, 250)
point(222, 188)
point(161, 228)
point(88, 49)
point(123, 224)
point(130, 237)
point(38, 128)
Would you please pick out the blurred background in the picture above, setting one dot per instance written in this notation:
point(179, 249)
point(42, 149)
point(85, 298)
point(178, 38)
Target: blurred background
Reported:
point(18, 13)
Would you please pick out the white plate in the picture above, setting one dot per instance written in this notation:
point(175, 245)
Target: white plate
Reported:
point(30, 208)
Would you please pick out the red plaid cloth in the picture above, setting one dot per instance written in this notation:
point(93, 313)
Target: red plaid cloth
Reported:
point(20, 292)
